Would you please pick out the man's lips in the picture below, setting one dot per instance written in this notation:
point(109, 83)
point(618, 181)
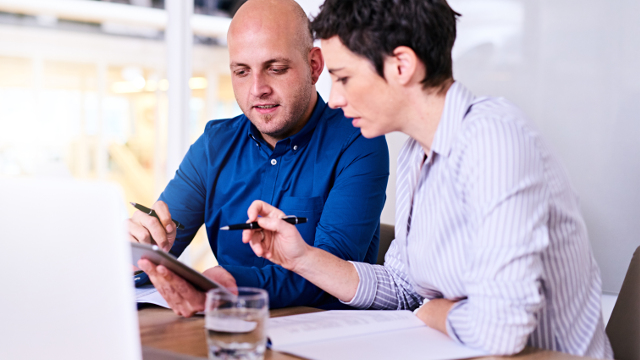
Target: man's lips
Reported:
point(266, 108)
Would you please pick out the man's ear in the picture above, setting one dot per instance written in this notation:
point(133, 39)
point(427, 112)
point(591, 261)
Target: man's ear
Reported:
point(316, 62)
point(403, 66)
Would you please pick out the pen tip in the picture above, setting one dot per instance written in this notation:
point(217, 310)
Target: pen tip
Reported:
point(224, 228)
point(132, 203)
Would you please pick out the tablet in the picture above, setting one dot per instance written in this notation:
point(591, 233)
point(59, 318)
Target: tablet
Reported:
point(159, 257)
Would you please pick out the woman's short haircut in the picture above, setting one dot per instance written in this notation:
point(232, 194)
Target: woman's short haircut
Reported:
point(374, 28)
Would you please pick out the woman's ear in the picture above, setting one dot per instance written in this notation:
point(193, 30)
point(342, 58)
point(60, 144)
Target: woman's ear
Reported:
point(403, 66)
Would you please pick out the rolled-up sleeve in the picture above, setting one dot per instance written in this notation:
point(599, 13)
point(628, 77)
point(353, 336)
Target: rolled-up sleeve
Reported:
point(186, 192)
point(384, 287)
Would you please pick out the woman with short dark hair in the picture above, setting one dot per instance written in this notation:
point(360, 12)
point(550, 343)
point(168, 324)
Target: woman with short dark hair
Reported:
point(489, 235)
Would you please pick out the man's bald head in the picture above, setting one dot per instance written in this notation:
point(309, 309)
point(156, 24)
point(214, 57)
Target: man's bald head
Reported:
point(281, 18)
point(274, 66)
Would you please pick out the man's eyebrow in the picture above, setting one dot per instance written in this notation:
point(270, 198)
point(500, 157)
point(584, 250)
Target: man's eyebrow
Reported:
point(268, 62)
point(331, 71)
point(278, 59)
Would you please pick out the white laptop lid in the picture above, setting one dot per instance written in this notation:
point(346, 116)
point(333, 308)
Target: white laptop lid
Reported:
point(65, 273)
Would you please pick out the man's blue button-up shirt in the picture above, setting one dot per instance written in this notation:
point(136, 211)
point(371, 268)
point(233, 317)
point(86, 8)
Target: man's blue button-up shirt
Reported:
point(328, 172)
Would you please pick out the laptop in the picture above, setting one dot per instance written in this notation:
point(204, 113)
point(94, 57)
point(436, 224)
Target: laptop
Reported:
point(65, 273)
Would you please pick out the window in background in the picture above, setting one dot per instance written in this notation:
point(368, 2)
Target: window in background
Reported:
point(90, 105)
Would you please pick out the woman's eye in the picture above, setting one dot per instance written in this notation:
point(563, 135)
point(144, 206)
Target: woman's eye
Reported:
point(342, 80)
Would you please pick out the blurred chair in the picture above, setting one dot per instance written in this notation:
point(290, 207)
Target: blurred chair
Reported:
point(387, 234)
point(623, 328)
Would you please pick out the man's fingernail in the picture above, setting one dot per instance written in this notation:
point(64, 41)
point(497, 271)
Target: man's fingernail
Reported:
point(169, 228)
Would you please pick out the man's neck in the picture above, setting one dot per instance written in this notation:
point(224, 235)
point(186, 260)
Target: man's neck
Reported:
point(272, 141)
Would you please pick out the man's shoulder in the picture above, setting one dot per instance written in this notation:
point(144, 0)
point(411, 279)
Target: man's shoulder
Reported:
point(226, 126)
point(337, 129)
point(335, 120)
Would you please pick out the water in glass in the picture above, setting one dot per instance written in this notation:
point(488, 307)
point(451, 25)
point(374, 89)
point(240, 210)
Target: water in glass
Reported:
point(236, 329)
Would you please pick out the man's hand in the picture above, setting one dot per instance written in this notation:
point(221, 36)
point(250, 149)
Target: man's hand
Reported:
point(277, 241)
point(146, 229)
point(183, 298)
point(222, 277)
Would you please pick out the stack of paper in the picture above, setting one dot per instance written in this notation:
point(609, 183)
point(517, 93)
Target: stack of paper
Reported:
point(364, 334)
point(148, 294)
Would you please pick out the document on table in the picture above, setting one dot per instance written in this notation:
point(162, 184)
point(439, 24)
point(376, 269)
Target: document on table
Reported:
point(365, 334)
point(148, 294)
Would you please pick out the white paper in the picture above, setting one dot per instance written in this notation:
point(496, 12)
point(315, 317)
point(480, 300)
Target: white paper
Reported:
point(363, 334)
point(148, 294)
point(296, 329)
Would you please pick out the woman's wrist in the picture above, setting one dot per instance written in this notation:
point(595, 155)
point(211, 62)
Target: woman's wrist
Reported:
point(303, 261)
point(434, 313)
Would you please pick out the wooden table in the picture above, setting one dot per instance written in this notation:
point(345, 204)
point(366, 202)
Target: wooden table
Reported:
point(161, 329)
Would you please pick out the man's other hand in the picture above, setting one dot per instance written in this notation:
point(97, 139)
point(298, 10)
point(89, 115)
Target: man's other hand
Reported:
point(146, 229)
point(181, 296)
point(222, 277)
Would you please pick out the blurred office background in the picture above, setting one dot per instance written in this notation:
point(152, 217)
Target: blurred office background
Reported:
point(117, 90)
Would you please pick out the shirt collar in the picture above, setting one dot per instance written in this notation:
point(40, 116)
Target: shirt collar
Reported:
point(302, 137)
point(456, 105)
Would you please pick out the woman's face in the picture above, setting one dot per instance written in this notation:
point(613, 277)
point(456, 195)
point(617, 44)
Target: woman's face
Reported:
point(359, 91)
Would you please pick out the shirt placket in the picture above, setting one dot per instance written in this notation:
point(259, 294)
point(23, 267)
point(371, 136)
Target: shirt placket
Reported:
point(274, 162)
point(407, 186)
point(421, 169)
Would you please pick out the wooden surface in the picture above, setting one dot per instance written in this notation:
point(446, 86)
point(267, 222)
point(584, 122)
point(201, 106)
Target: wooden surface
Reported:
point(161, 329)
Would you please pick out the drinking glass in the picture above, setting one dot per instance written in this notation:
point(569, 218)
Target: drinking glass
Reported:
point(235, 324)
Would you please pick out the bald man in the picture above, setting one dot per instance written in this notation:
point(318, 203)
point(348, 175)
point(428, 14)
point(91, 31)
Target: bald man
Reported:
point(288, 149)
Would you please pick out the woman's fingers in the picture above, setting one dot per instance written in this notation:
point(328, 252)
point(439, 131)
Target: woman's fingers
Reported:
point(258, 242)
point(261, 208)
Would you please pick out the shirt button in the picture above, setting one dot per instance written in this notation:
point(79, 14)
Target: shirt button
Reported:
point(295, 147)
point(274, 161)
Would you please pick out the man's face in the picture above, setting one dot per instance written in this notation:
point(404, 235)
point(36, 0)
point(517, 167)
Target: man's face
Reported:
point(271, 79)
point(359, 91)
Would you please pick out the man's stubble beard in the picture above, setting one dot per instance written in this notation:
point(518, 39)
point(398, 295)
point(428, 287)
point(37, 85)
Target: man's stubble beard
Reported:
point(298, 109)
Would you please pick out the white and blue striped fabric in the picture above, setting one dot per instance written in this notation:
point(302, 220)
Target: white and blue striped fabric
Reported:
point(489, 219)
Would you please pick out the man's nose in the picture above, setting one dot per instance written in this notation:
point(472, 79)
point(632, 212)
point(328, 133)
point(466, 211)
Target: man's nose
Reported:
point(260, 86)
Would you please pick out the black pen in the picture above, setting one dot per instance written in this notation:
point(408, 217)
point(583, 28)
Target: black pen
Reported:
point(152, 212)
point(291, 219)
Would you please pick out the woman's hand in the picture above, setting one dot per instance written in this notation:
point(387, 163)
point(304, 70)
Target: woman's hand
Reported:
point(277, 241)
point(434, 313)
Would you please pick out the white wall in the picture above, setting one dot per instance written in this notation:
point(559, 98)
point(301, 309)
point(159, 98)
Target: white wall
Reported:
point(573, 67)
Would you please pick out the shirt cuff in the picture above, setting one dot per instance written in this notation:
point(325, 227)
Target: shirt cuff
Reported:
point(366, 292)
point(456, 315)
